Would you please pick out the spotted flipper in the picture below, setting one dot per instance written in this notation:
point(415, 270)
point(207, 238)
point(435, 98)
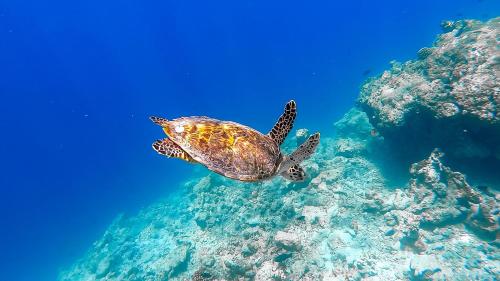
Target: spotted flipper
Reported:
point(302, 153)
point(159, 121)
point(284, 124)
point(170, 149)
point(295, 173)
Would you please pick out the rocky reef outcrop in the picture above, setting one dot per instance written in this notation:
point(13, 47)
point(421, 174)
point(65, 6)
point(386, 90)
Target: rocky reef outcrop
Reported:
point(449, 97)
point(458, 76)
point(345, 222)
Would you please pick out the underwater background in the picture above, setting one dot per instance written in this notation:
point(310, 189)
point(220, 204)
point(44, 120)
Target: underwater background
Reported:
point(79, 79)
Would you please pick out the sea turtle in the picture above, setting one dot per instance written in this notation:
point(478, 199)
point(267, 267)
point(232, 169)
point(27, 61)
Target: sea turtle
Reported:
point(234, 150)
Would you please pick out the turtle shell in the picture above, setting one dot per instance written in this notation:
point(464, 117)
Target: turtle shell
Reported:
point(227, 148)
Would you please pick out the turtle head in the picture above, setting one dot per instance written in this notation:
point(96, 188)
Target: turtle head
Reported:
point(289, 167)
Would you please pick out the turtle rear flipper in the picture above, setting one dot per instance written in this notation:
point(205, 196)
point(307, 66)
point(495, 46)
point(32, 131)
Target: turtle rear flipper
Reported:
point(294, 173)
point(169, 148)
point(302, 153)
point(159, 121)
point(284, 124)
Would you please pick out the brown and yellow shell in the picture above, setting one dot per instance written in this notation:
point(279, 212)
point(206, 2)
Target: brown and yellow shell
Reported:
point(227, 148)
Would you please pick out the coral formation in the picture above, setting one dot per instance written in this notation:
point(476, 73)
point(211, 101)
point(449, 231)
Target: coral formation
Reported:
point(447, 98)
point(345, 222)
point(456, 77)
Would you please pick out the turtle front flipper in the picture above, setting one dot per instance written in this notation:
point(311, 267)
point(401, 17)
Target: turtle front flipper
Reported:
point(169, 148)
point(302, 153)
point(294, 173)
point(284, 124)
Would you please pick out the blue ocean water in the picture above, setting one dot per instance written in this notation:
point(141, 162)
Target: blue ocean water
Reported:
point(78, 80)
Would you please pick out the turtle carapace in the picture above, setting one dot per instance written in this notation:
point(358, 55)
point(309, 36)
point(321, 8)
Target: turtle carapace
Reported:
point(234, 150)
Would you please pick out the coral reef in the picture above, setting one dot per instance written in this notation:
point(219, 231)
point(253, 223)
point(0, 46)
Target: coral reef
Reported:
point(447, 98)
point(458, 76)
point(362, 141)
point(345, 222)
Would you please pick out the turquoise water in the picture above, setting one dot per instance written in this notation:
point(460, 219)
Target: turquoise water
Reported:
point(80, 79)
